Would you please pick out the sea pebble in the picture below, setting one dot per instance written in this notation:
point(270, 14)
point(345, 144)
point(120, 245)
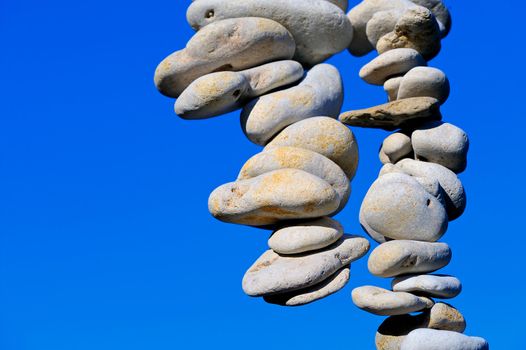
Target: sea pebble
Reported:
point(383, 302)
point(431, 339)
point(400, 257)
point(436, 286)
point(440, 11)
point(391, 86)
point(277, 195)
point(229, 45)
point(381, 24)
point(396, 146)
point(424, 81)
point(320, 93)
point(273, 273)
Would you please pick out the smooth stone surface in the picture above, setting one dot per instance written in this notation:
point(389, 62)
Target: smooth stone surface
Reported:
point(391, 86)
point(273, 274)
point(222, 92)
point(298, 158)
point(431, 339)
point(448, 180)
point(320, 93)
point(442, 143)
point(377, 236)
point(436, 286)
point(325, 136)
point(321, 290)
point(416, 29)
point(274, 196)
point(383, 302)
point(305, 236)
point(440, 11)
point(424, 81)
point(381, 24)
point(400, 257)
point(319, 27)
point(389, 64)
point(398, 207)
point(343, 4)
point(395, 114)
point(230, 45)
point(393, 330)
point(396, 146)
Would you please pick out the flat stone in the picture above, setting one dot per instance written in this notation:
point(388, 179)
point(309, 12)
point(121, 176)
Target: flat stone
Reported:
point(431, 339)
point(401, 257)
point(274, 274)
point(319, 27)
point(222, 92)
point(320, 93)
point(321, 290)
point(230, 45)
point(394, 329)
point(424, 81)
point(391, 86)
point(391, 63)
point(396, 146)
point(383, 302)
point(436, 286)
point(398, 207)
point(395, 114)
point(416, 29)
point(440, 11)
point(325, 136)
point(298, 158)
point(304, 236)
point(442, 143)
point(278, 195)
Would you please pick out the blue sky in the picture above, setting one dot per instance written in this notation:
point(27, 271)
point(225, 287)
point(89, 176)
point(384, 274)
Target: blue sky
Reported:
point(105, 237)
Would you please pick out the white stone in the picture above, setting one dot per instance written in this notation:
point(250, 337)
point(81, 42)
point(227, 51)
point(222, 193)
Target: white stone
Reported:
point(390, 64)
point(391, 86)
point(431, 339)
point(424, 81)
point(396, 146)
point(437, 286)
point(383, 302)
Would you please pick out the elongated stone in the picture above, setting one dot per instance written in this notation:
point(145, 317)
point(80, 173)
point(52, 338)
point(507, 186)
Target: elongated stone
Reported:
point(431, 339)
point(383, 302)
point(325, 136)
point(391, 63)
point(400, 257)
point(321, 290)
point(320, 93)
point(222, 92)
point(229, 45)
point(274, 274)
point(319, 27)
point(274, 196)
point(436, 286)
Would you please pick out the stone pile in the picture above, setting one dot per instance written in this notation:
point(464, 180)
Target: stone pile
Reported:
point(408, 208)
point(265, 57)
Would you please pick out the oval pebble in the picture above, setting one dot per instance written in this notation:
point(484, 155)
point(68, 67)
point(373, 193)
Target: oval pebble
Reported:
point(436, 286)
point(389, 64)
point(391, 86)
point(396, 146)
point(383, 302)
point(424, 81)
point(431, 339)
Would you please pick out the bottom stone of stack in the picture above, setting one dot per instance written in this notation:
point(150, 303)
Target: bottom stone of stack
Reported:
point(432, 339)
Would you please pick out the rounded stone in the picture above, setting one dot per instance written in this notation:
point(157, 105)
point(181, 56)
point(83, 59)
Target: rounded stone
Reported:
point(381, 23)
point(424, 81)
point(396, 146)
point(436, 286)
point(389, 64)
point(325, 136)
point(431, 339)
point(383, 302)
point(300, 237)
point(442, 143)
point(320, 93)
point(229, 45)
point(283, 194)
point(395, 258)
point(391, 86)
point(319, 27)
point(440, 11)
point(398, 207)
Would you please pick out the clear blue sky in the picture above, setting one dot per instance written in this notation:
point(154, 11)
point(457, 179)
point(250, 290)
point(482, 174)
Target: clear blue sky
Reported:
point(105, 237)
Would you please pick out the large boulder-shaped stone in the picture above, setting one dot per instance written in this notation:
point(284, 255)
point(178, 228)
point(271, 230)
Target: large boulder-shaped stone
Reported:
point(424, 81)
point(431, 339)
point(383, 302)
point(304, 236)
point(442, 143)
point(298, 158)
point(395, 114)
point(398, 207)
point(319, 27)
point(274, 274)
point(318, 291)
point(320, 93)
point(229, 45)
point(325, 136)
point(436, 286)
point(395, 258)
point(222, 92)
point(391, 63)
point(274, 196)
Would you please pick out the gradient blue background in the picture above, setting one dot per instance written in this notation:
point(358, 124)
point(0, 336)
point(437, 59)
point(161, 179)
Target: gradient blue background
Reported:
point(105, 237)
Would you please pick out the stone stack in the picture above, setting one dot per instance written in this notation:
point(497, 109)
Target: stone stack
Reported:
point(251, 55)
point(408, 208)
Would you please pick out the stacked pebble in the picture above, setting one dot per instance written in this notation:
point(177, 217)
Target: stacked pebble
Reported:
point(251, 55)
point(407, 209)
